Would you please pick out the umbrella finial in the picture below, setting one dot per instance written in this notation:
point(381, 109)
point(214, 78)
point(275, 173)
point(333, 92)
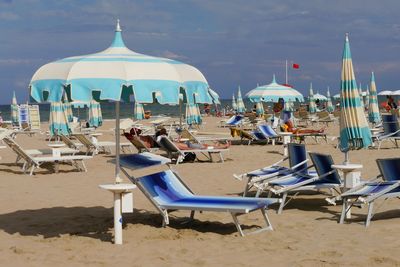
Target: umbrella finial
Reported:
point(118, 28)
point(347, 37)
point(273, 78)
point(118, 42)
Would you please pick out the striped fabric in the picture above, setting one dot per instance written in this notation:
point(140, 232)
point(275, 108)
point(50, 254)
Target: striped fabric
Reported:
point(115, 74)
point(366, 99)
point(272, 92)
point(240, 105)
point(193, 114)
point(360, 92)
point(320, 97)
point(289, 106)
point(14, 110)
point(373, 108)
point(58, 122)
point(259, 108)
point(95, 116)
point(354, 129)
point(215, 96)
point(329, 106)
point(311, 100)
point(68, 111)
point(139, 111)
point(234, 104)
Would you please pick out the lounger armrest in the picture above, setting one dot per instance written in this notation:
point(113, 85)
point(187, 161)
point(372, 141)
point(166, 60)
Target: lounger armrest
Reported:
point(382, 192)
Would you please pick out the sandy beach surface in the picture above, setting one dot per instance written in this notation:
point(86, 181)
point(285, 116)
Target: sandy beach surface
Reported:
point(65, 219)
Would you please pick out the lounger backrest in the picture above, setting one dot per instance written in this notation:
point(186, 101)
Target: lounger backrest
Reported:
point(267, 130)
point(234, 120)
point(323, 165)
point(297, 154)
point(389, 168)
point(390, 124)
point(140, 146)
point(67, 141)
point(163, 187)
point(188, 135)
point(168, 144)
point(18, 150)
point(86, 142)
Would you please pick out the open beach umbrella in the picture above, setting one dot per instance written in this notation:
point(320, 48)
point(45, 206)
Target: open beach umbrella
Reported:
point(329, 106)
point(193, 114)
point(386, 92)
point(320, 97)
point(240, 105)
point(215, 96)
point(312, 106)
point(336, 97)
point(58, 121)
point(273, 92)
point(115, 74)
point(14, 109)
point(138, 113)
point(259, 108)
point(373, 109)
point(234, 104)
point(354, 129)
point(95, 116)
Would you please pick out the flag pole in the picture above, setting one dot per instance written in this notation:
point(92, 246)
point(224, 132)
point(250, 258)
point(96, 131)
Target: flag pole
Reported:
point(286, 73)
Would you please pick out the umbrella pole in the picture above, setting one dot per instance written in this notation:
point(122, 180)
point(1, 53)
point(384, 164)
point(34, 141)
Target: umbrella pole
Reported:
point(180, 113)
point(117, 142)
point(346, 158)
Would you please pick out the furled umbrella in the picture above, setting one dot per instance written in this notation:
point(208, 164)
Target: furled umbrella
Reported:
point(360, 92)
point(374, 116)
point(354, 129)
point(95, 115)
point(329, 106)
point(312, 106)
point(240, 105)
point(68, 109)
point(234, 104)
point(259, 109)
point(58, 120)
point(14, 110)
point(138, 113)
point(193, 115)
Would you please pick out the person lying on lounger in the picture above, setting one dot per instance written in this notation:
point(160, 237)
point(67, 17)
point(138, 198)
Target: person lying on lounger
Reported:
point(146, 139)
point(288, 127)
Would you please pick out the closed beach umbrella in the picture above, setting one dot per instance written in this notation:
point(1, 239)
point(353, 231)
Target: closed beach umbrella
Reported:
point(193, 114)
point(95, 116)
point(58, 121)
point(240, 105)
point(14, 109)
point(139, 111)
point(273, 92)
point(366, 102)
point(373, 109)
point(68, 109)
point(259, 108)
point(329, 106)
point(354, 129)
point(361, 96)
point(234, 104)
point(312, 106)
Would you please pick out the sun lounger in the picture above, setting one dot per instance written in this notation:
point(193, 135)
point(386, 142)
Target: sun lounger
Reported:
point(268, 132)
point(327, 178)
point(180, 154)
point(139, 144)
point(235, 120)
point(104, 146)
point(391, 130)
point(31, 162)
point(167, 192)
point(253, 136)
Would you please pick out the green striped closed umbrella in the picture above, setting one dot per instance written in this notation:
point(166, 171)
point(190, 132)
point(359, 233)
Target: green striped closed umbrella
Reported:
point(95, 116)
point(366, 102)
point(138, 113)
point(240, 105)
point(259, 108)
point(329, 106)
point(361, 96)
point(354, 129)
point(373, 109)
point(234, 104)
point(312, 106)
point(14, 109)
point(193, 114)
point(58, 121)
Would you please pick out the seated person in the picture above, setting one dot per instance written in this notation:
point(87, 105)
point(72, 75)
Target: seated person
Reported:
point(146, 139)
point(288, 127)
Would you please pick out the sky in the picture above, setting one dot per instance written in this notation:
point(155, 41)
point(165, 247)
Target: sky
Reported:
point(232, 42)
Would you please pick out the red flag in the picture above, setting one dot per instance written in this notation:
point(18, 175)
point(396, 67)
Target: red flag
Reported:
point(295, 66)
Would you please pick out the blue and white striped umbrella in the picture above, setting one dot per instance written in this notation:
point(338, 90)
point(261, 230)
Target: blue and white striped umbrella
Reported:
point(58, 121)
point(95, 116)
point(320, 97)
point(259, 108)
point(215, 96)
point(273, 92)
point(234, 104)
point(139, 111)
point(68, 110)
point(312, 106)
point(329, 106)
point(14, 110)
point(373, 109)
point(193, 114)
point(366, 100)
point(240, 105)
point(354, 129)
point(361, 96)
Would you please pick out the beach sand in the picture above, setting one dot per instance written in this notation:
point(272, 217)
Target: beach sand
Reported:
point(65, 219)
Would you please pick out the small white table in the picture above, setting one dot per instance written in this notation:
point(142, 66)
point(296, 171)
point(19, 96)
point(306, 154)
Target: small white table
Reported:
point(287, 137)
point(351, 175)
point(56, 145)
point(119, 190)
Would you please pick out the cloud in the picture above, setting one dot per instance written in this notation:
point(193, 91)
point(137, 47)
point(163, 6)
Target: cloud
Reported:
point(8, 16)
point(172, 55)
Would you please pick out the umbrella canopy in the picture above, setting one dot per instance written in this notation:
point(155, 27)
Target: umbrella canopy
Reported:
point(397, 92)
point(215, 96)
point(139, 111)
point(14, 109)
point(386, 92)
point(354, 129)
point(329, 106)
point(234, 104)
point(95, 116)
point(273, 91)
point(360, 92)
point(58, 121)
point(366, 99)
point(336, 97)
point(312, 106)
point(320, 97)
point(193, 114)
point(373, 109)
point(240, 105)
point(259, 108)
